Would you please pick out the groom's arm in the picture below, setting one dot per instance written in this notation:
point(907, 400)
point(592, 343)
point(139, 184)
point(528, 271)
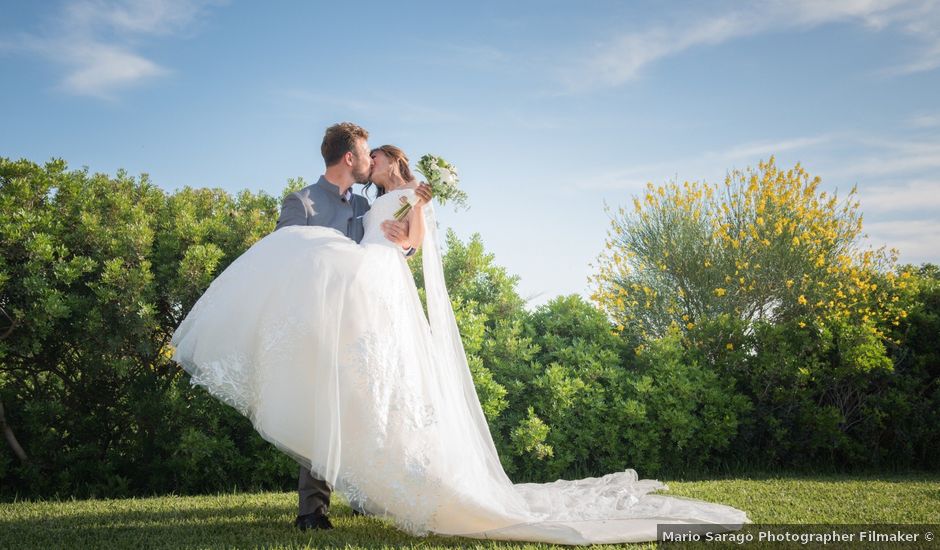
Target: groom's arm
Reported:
point(292, 212)
point(397, 232)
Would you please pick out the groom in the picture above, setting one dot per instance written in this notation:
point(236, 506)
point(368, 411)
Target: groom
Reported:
point(330, 202)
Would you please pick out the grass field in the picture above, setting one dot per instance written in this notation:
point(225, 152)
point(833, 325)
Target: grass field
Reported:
point(253, 520)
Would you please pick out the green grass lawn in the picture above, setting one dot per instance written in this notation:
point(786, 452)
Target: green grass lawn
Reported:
point(253, 520)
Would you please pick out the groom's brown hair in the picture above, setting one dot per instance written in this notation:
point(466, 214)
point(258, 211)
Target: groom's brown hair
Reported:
point(339, 140)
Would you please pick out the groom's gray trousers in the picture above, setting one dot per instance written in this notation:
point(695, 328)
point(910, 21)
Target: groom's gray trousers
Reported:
point(321, 204)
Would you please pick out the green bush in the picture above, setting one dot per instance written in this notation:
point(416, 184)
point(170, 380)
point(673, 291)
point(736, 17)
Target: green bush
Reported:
point(96, 272)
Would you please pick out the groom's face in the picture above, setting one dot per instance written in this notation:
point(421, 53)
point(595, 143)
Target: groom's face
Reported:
point(362, 162)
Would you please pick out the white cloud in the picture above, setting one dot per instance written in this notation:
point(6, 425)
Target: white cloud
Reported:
point(97, 41)
point(708, 166)
point(750, 151)
point(924, 120)
point(917, 240)
point(100, 69)
point(623, 58)
point(875, 14)
point(342, 102)
point(920, 20)
point(914, 195)
point(889, 159)
point(898, 183)
point(404, 111)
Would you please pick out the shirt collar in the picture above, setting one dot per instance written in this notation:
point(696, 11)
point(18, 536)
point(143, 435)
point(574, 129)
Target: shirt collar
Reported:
point(334, 189)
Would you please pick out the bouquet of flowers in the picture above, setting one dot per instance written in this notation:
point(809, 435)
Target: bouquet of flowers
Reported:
point(442, 177)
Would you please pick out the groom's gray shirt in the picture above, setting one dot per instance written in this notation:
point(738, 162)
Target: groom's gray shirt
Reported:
point(321, 204)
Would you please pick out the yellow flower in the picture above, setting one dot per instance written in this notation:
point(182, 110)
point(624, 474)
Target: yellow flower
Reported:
point(789, 283)
point(690, 326)
point(729, 346)
point(719, 292)
point(796, 241)
point(801, 299)
point(802, 324)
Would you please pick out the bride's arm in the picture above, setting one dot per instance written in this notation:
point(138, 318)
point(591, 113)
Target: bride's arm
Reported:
point(409, 232)
point(415, 218)
point(416, 226)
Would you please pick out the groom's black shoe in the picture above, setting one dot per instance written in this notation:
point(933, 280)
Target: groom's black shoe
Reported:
point(313, 521)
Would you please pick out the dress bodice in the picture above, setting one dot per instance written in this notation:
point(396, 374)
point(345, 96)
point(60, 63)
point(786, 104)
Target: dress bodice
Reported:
point(382, 209)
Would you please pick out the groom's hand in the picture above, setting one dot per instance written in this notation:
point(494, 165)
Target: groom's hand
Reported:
point(397, 232)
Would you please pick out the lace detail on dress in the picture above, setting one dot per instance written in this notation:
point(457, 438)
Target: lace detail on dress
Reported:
point(238, 378)
point(390, 467)
point(391, 455)
point(325, 346)
point(225, 380)
point(616, 495)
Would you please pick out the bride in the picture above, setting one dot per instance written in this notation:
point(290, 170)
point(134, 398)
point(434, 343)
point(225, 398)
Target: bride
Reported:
point(324, 344)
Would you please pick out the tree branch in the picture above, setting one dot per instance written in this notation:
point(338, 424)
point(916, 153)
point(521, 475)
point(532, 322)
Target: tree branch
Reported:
point(12, 324)
point(7, 431)
point(11, 439)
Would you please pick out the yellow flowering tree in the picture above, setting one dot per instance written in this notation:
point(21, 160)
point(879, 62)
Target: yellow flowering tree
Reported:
point(766, 245)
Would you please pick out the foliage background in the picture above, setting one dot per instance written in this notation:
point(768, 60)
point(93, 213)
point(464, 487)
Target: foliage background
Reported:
point(97, 271)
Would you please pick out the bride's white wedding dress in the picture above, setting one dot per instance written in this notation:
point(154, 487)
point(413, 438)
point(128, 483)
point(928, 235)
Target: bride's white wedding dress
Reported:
point(325, 346)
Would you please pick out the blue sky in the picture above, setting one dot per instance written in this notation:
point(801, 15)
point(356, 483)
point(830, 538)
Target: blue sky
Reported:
point(549, 109)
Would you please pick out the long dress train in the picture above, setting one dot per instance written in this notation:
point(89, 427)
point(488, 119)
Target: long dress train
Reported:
point(325, 346)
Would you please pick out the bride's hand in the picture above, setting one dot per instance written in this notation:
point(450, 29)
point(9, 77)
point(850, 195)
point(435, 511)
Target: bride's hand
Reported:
point(423, 191)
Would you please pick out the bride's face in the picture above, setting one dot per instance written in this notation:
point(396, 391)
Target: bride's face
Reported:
point(380, 168)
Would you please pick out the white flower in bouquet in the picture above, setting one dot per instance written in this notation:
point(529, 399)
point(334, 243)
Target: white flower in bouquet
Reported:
point(442, 177)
